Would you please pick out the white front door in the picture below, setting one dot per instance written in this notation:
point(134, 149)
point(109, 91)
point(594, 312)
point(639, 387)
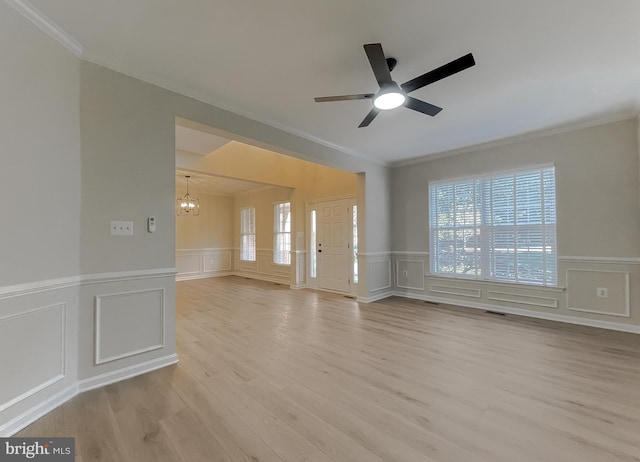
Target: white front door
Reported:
point(333, 250)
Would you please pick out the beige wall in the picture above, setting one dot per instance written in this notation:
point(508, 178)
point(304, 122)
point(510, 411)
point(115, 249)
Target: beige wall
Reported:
point(263, 200)
point(300, 182)
point(598, 221)
point(213, 228)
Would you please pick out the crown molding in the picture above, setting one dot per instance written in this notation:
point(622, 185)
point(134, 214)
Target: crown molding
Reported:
point(45, 24)
point(550, 131)
point(207, 99)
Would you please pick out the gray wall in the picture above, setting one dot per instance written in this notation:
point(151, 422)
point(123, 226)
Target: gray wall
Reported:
point(596, 182)
point(39, 217)
point(598, 222)
point(40, 174)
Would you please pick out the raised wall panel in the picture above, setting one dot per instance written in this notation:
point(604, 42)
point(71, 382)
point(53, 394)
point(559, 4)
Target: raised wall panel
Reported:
point(581, 291)
point(128, 323)
point(32, 352)
point(532, 300)
point(379, 276)
point(188, 264)
point(218, 261)
point(454, 290)
point(410, 274)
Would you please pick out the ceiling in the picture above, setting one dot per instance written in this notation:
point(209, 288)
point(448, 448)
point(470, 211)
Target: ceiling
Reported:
point(540, 64)
point(197, 142)
point(201, 183)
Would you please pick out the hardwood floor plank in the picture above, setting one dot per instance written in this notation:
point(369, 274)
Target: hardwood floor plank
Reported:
point(268, 374)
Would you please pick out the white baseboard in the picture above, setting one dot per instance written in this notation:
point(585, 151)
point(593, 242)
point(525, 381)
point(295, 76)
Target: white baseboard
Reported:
point(49, 404)
point(528, 313)
point(262, 277)
point(126, 373)
point(376, 297)
point(190, 277)
point(26, 418)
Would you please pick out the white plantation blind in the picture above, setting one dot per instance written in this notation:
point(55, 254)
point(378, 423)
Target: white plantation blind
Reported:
point(500, 227)
point(282, 233)
point(248, 234)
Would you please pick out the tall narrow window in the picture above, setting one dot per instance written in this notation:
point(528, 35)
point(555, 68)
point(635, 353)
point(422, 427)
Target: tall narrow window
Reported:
point(500, 227)
point(313, 243)
point(248, 234)
point(282, 233)
point(354, 227)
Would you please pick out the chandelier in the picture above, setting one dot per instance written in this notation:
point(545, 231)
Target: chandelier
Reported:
point(188, 205)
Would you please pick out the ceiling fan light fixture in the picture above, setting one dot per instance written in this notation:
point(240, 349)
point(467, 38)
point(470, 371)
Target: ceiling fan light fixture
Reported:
point(389, 97)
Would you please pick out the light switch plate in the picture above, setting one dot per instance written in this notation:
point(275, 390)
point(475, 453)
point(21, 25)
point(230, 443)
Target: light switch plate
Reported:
point(121, 228)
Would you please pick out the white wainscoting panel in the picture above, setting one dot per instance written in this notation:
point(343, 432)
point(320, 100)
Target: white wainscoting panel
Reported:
point(217, 261)
point(128, 323)
point(30, 363)
point(410, 273)
point(379, 273)
point(455, 290)
point(521, 299)
point(582, 296)
point(187, 264)
point(203, 263)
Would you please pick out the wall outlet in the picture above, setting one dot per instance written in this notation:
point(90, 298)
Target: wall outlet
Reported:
point(405, 273)
point(121, 228)
point(602, 292)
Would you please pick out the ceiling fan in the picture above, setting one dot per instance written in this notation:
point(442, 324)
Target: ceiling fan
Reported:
point(392, 95)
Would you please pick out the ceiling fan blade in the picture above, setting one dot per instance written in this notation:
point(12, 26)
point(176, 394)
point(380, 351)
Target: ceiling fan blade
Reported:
point(421, 106)
point(367, 120)
point(378, 63)
point(448, 69)
point(325, 99)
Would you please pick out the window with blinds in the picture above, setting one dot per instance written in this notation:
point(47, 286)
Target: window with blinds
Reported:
point(282, 233)
point(500, 227)
point(248, 234)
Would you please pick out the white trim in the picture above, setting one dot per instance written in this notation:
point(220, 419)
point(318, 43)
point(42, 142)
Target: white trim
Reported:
point(528, 313)
point(514, 299)
point(469, 280)
point(450, 290)
point(100, 278)
point(410, 253)
point(297, 286)
point(262, 277)
point(63, 351)
point(45, 24)
point(398, 260)
point(374, 254)
point(28, 417)
point(126, 372)
point(40, 409)
point(619, 260)
point(98, 359)
point(369, 273)
point(207, 275)
point(35, 287)
point(375, 298)
point(627, 311)
point(544, 133)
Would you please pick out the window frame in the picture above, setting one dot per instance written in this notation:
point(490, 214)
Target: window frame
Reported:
point(277, 233)
point(480, 228)
point(244, 233)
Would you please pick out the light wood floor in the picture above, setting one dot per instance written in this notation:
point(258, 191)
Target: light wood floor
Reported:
point(271, 374)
